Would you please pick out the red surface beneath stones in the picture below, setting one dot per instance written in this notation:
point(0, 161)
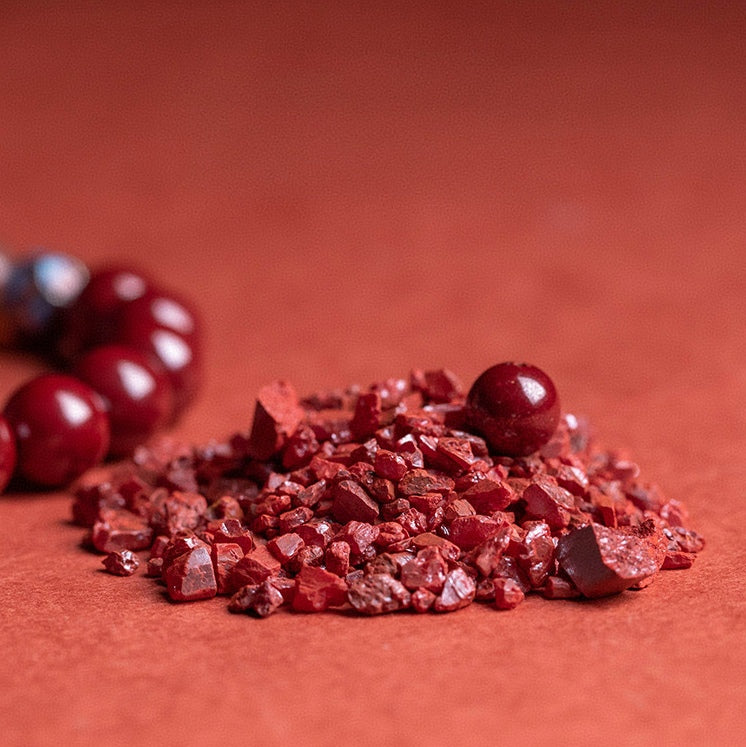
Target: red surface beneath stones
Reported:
point(378, 501)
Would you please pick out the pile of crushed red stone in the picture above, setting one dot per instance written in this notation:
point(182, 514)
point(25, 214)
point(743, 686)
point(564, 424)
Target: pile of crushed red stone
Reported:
point(381, 500)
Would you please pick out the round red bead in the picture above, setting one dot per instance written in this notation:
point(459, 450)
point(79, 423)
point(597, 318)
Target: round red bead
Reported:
point(61, 428)
point(8, 453)
point(515, 406)
point(91, 320)
point(167, 330)
point(139, 397)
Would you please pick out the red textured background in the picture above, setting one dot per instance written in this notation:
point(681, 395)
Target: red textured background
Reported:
point(349, 190)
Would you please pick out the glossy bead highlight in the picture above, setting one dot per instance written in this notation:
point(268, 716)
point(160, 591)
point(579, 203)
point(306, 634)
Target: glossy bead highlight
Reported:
point(138, 397)
point(61, 428)
point(515, 407)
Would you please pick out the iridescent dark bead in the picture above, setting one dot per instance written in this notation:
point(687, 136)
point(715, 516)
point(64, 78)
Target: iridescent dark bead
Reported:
point(139, 397)
point(92, 319)
point(515, 407)
point(61, 428)
point(39, 287)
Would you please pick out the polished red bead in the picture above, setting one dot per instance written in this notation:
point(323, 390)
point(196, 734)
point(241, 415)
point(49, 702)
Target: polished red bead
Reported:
point(61, 428)
point(91, 320)
point(8, 454)
point(515, 407)
point(167, 330)
point(139, 397)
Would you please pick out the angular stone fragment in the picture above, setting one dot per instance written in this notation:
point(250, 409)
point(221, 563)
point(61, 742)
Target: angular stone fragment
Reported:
point(440, 385)
point(191, 576)
point(467, 532)
point(337, 558)
point(459, 590)
point(487, 496)
point(317, 532)
point(232, 531)
point(426, 570)
point(276, 416)
point(118, 529)
point(176, 511)
point(254, 568)
point(267, 599)
point(390, 465)
point(422, 600)
point(316, 589)
point(367, 417)
point(548, 501)
point(557, 587)
point(427, 539)
point(421, 481)
point(121, 563)
point(286, 546)
point(677, 559)
point(602, 561)
point(352, 503)
point(377, 594)
point(225, 556)
point(508, 594)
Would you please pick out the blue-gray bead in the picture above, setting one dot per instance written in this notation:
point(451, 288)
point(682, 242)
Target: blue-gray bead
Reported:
point(38, 287)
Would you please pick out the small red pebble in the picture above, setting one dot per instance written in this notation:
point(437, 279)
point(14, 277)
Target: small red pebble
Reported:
point(352, 503)
point(377, 594)
point(255, 567)
point(276, 417)
point(225, 557)
point(286, 546)
point(459, 590)
point(469, 531)
point(508, 594)
point(118, 529)
point(546, 500)
point(191, 576)
point(317, 589)
point(515, 406)
point(121, 563)
point(601, 561)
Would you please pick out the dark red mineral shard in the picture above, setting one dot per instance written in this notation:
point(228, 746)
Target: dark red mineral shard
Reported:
point(121, 563)
point(191, 576)
point(316, 589)
point(602, 561)
point(378, 593)
point(276, 417)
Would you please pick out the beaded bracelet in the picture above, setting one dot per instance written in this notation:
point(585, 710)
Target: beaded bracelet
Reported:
point(128, 360)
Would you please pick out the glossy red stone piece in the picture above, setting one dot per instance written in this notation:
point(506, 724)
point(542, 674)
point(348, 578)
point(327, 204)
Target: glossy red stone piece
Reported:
point(515, 407)
point(92, 318)
point(602, 561)
point(139, 397)
point(8, 453)
point(61, 428)
point(121, 563)
point(166, 330)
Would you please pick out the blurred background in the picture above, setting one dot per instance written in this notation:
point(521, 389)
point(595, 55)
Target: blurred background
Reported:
point(349, 190)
